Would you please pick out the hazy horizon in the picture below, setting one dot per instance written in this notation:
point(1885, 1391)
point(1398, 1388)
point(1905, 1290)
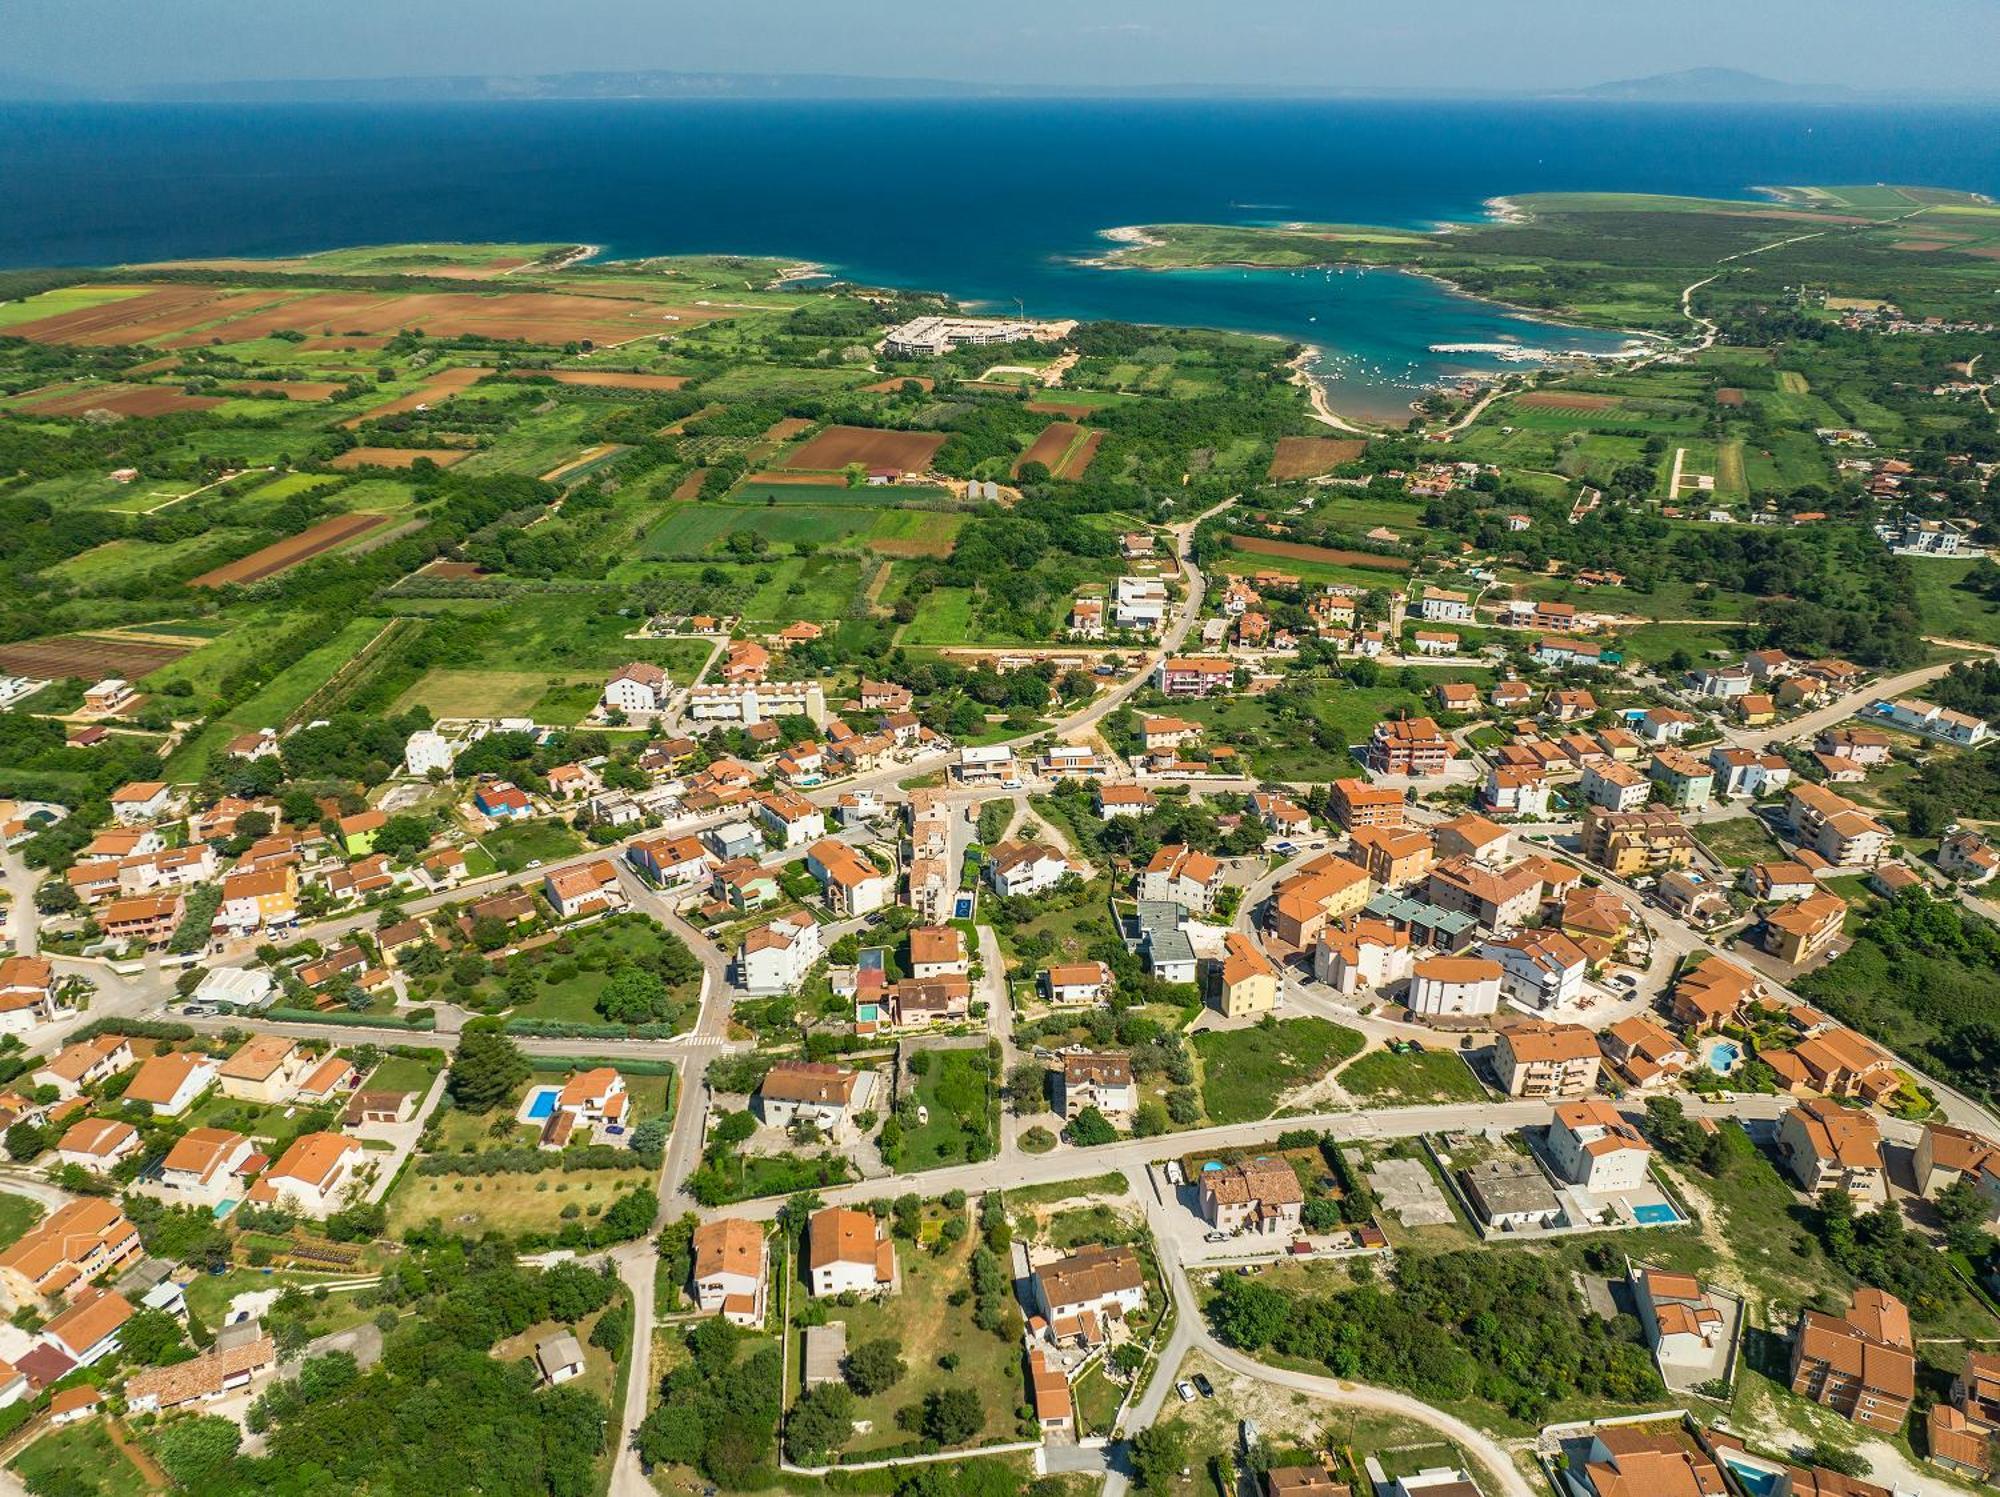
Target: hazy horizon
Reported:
point(112, 46)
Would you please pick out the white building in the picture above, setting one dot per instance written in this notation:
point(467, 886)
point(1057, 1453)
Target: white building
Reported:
point(816, 1092)
point(1444, 985)
point(314, 1177)
point(1140, 604)
point(744, 704)
point(1593, 1146)
point(732, 1269)
point(849, 1251)
point(640, 687)
point(776, 957)
point(426, 751)
point(1538, 968)
point(1026, 868)
point(794, 819)
point(1078, 1294)
point(203, 1168)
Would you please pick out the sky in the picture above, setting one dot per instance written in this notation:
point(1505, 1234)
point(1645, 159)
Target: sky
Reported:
point(1947, 45)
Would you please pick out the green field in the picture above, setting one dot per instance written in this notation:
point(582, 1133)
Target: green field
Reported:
point(1245, 1072)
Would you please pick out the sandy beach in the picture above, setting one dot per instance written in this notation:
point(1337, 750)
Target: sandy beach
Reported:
point(1323, 410)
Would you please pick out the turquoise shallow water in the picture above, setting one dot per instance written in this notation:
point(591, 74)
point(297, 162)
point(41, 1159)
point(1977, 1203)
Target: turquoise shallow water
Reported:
point(991, 201)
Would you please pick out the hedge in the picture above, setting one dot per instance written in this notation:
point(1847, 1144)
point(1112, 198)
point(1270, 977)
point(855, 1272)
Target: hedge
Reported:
point(563, 1029)
point(352, 1021)
point(529, 1161)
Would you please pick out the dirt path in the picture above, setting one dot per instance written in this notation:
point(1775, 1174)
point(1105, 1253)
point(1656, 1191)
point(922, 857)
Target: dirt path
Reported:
point(149, 1468)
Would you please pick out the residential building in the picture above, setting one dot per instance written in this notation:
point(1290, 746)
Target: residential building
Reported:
point(259, 899)
point(592, 1102)
point(1627, 1460)
point(1366, 955)
point(266, 1069)
point(1140, 604)
point(87, 1330)
point(817, 1092)
point(1027, 868)
point(170, 1083)
point(1180, 875)
point(206, 1166)
point(1683, 781)
point(1499, 899)
point(584, 889)
point(732, 1270)
point(1194, 675)
point(84, 1064)
point(1076, 1295)
point(1261, 1196)
point(1543, 1061)
point(1634, 843)
point(1243, 983)
point(671, 862)
point(1539, 969)
point(1836, 828)
point(748, 703)
point(1357, 804)
point(776, 958)
point(1643, 1053)
point(314, 1177)
point(1473, 836)
point(213, 1375)
point(1323, 892)
point(938, 951)
point(941, 1000)
point(1682, 1324)
point(1510, 1194)
point(1159, 933)
point(1915, 715)
point(849, 1251)
point(792, 818)
point(1394, 857)
point(1615, 786)
point(1967, 857)
point(1442, 606)
point(637, 689)
point(1800, 931)
point(1592, 1145)
point(1712, 992)
point(1829, 1147)
point(1114, 801)
point(849, 883)
point(1102, 1081)
point(1836, 1061)
point(1510, 790)
point(1860, 1364)
point(1781, 880)
point(1442, 986)
point(1413, 746)
point(140, 802)
point(98, 1144)
point(1071, 983)
point(74, 1244)
point(1947, 1155)
point(1746, 772)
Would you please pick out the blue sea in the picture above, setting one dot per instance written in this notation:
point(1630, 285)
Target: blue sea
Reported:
point(993, 202)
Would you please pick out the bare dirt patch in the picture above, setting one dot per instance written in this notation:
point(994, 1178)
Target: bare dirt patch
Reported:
point(397, 457)
point(1309, 457)
point(292, 550)
point(124, 400)
point(1569, 400)
point(1729, 396)
point(91, 656)
point(1051, 447)
point(837, 446)
point(1259, 545)
point(291, 389)
point(895, 385)
point(604, 379)
point(1085, 454)
point(690, 486)
point(443, 385)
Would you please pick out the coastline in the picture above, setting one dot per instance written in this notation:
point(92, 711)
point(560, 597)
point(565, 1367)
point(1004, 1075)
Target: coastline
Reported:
point(1322, 407)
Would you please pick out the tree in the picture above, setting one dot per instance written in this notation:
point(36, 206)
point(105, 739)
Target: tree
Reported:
point(1028, 1088)
point(194, 1451)
point(1091, 1127)
point(153, 1339)
point(1962, 1212)
point(25, 1141)
point(821, 1421)
point(633, 996)
point(1248, 1314)
point(486, 1069)
point(875, 1366)
point(1158, 1453)
point(952, 1416)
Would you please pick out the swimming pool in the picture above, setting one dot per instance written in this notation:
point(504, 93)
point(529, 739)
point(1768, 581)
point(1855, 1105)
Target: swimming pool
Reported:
point(1757, 1480)
point(541, 1103)
point(1655, 1214)
point(1723, 1055)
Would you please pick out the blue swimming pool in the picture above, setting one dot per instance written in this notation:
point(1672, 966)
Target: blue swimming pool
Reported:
point(1723, 1055)
point(1655, 1214)
point(542, 1103)
point(1757, 1481)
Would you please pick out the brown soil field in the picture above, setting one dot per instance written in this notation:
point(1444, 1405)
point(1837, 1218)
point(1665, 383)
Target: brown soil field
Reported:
point(92, 657)
point(1989, 253)
point(151, 366)
point(1308, 457)
point(1569, 400)
point(893, 386)
point(539, 317)
point(445, 382)
point(291, 389)
point(605, 379)
point(691, 485)
point(290, 551)
point(1066, 409)
point(1921, 246)
point(345, 344)
point(789, 480)
point(837, 446)
point(1259, 545)
point(1083, 457)
point(1729, 396)
point(173, 307)
point(1050, 448)
point(397, 457)
point(126, 400)
point(910, 548)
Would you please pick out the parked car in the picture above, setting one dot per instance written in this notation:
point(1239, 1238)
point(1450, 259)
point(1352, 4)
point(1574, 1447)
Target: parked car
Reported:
point(1216, 1237)
point(1186, 1391)
point(1202, 1385)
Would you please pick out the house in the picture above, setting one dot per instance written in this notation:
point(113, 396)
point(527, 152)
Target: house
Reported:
point(1499, 899)
point(1194, 675)
point(1242, 983)
point(816, 1092)
point(1693, 898)
point(732, 1270)
point(1744, 772)
point(1682, 1324)
point(1473, 836)
point(109, 695)
point(170, 1083)
point(732, 839)
point(1684, 782)
point(1564, 654)
point(1414, 746)
point(1958, 1442)
point(1546, 1060)
point(941, 1000)
point(1915, 715)
point(1615, 786)
point(938, 950)
point(1829, 1147)
point(1323, 892)
point(313, 1177)
point(1104, 1082)
point(1836, 828)
point(1076, 1295)
point(849, 883)
point(1509, 790)
point(84, 1064)
point(97, 1144)
point(1303, 1481)
point(1755, 710)
point(1027, 868)
point(1588, 916)
point(501, 800)
point(140, 801)
point(206, 1166)
point(1634, 843)
point(1367, 955)
point(1860, 1364)
point(1160, 733)
point(259, 899)
point(1180, 875)
point(584, 889)
point(1510, 1194)
point(1568, 704)
point(1114, 801)
point(1357, 804)
point(358, 832)
point(1140, 604)
point(791, 817)
point(1281, 814)
point(1771, 882)
point(1442, 606)
point(267, 1069)
point(1458, 697)
point(73, 1404)
point(378, 1107)
point(1453, 985)
point(1255, 1195)
point(87, 1331)
point(593, 1101)
point(1945, 1155)
point(1799, 931)
point(1643, 1053)
point(1048, 1389)
point(1393, 857)
point(1627, 1460)
point(1159, 932)
point(1539, 969)
point(1071, 983)
point(1662, 725)
point(1967, 857)
point(775, 958)
point(27, 993)
point(66, 1250)
point(559, 1359)
point(1712, 992)
point(849, 1251)
point(204, 1379)
point(1593, 1146)
point(637, 688)
point(1838, 1062)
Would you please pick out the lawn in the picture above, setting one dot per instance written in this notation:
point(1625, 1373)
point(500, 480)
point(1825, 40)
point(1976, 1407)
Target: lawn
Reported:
point(80, 1460)
point(1950, 609)
point(956, 1089)
point(1739, 841)
point(1409, 1080)
point(516, 844)
point(512, 1204)
point(1245, 1072)
point(570, 983)
point(446, 692)
point(17, 1214)
point(404, 1073)
point(923, 1319)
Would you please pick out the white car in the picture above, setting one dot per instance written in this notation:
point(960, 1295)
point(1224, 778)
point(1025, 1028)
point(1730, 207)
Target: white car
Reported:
point(1185, 1390)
